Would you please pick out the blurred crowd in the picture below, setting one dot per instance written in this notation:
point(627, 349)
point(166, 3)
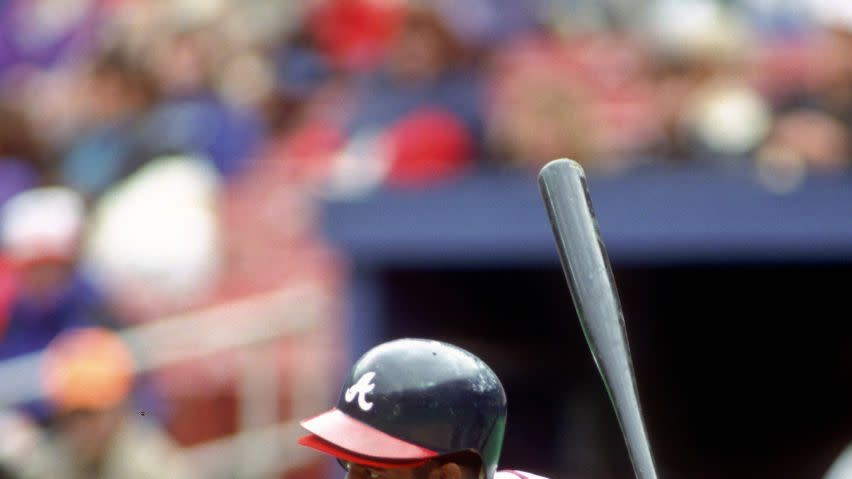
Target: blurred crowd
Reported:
point(162, 156)
point(355, 93)
point(358, 93)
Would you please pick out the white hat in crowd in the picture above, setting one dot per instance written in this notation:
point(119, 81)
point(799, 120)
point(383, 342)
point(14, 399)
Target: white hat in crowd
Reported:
point(42, 223)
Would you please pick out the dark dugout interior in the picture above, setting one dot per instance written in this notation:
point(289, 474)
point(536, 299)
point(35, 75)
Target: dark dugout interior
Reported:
point(743, 370)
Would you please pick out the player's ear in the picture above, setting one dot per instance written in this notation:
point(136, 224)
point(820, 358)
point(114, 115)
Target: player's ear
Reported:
point(449, 470)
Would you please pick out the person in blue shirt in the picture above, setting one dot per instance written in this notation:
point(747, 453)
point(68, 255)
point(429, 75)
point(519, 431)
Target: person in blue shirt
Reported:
point(39, 237)
point(424, 71)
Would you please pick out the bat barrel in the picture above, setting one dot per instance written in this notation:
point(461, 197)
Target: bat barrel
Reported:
point(589, 275)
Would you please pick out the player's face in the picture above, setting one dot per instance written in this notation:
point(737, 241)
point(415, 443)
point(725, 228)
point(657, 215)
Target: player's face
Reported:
point(357, 471)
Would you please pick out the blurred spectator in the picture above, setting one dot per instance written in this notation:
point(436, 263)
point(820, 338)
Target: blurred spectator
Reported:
point(813, 132)
point(423, 79)
point(40, 238)
point(616, 68)
point(808, 139)
point(46, 293)
point(300, 71)
point(424, 67)
point(191, 118)
point(539, 110)
point(305, 112)
point(119, 94)
point(588, 97)
point(88, 375)
point(708, 108)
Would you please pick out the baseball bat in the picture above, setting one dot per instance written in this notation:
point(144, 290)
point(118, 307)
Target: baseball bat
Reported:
point(586, 266)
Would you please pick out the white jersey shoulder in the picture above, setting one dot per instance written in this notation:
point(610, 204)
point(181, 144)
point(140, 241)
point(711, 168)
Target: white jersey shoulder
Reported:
point(513, 474)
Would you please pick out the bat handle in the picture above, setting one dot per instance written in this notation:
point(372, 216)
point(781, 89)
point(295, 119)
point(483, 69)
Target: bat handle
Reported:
point(638, 445)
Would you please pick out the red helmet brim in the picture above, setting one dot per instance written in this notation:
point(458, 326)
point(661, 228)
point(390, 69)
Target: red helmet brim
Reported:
point(341, 436)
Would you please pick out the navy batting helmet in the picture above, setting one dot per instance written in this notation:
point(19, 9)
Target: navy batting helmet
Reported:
point(411, 400)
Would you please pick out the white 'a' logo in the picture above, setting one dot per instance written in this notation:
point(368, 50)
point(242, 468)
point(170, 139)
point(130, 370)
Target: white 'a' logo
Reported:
point(360, 389)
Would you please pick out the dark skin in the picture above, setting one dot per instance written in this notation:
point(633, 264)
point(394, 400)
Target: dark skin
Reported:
point(430, 470)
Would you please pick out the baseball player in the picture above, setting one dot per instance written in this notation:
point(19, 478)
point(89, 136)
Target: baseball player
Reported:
point(416, 409)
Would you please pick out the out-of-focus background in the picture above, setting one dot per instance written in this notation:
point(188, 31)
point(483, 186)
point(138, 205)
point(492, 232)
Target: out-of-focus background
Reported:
point(211, 207)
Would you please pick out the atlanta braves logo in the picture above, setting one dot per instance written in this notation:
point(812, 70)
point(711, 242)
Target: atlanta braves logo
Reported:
point(360, 389)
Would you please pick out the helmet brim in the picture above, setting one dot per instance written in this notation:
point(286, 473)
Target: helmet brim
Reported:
point(341, 436)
